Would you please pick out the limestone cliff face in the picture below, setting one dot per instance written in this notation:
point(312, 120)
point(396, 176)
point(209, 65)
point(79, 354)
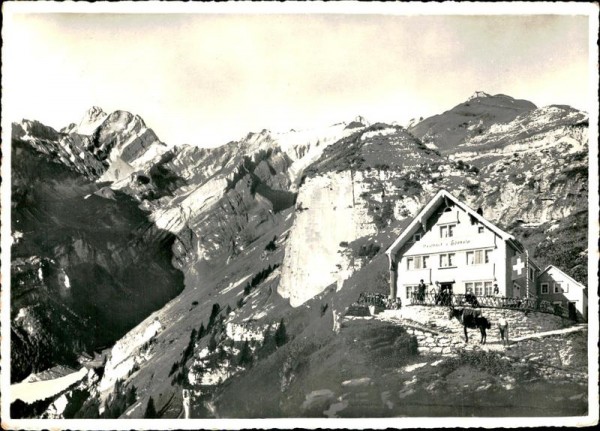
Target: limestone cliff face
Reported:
point(325, 217)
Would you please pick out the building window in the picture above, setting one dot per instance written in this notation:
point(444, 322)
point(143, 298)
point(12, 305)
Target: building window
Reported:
point(559, 287)
point(478, 257)
point(488, 288)
point(417, 262)
point(487, 256)
point(418, 237)
point(410, 290)
point(447, 260)
point(531, 273)
point(480, 229)
point(470, 257)
point(478, 288)
point(544, 287)
point(447, 231)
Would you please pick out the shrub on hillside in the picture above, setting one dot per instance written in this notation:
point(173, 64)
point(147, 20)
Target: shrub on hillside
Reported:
point(369, 250)
point(245, 355)
point(271, 246)
point(281, 334)
point(216, 308)
point(383, 216)
point(119, 400)
point(259, 278)
point(201, 331)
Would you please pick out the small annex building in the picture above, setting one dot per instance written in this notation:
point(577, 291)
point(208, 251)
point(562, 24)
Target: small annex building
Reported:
point(560, 289)
point(451, 246)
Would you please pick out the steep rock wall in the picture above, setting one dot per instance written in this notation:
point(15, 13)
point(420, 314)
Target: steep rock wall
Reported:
point(325, 217)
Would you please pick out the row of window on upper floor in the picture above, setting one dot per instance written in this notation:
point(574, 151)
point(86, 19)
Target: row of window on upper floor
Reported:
point(448, 260)
point(446, 231)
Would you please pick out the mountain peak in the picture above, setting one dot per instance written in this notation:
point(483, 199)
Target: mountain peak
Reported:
point(478, 94)
point(91, 120)
point(359, 121)
point(94, 112)
point(362, 120)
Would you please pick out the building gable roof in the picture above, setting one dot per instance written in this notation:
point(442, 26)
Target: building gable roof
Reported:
point(567, 276)
point(428, 210)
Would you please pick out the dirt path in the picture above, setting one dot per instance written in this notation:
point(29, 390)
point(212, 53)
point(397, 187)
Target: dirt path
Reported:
point(550, 333)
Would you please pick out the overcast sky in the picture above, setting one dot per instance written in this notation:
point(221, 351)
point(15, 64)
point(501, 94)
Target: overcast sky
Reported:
point(207, 79)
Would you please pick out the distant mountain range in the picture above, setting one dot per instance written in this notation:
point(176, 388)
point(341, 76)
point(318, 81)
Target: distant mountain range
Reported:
point(113, 230)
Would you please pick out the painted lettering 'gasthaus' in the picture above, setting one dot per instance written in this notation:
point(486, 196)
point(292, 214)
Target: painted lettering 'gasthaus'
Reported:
point(448, 245)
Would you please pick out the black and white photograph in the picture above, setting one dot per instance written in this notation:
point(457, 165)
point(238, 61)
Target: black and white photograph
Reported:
point(318, 215)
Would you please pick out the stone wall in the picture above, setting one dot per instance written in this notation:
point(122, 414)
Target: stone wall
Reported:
point(437, 334)
point(521, 323)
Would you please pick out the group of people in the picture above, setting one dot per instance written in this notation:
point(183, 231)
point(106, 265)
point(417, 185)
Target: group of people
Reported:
point(443, 296)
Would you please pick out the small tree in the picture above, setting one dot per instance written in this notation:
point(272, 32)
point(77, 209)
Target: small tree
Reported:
point(280, 334)
point(201, 331)
point(213, 314)
point(222, 353)
point(271, 246)
point(212, 343)
point(150, 412)
point(189, 350)
point(268, 344)
point(245, 356)
point(131, 395)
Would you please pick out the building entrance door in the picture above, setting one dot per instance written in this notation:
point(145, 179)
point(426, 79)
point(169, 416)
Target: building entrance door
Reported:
point(446, 293)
